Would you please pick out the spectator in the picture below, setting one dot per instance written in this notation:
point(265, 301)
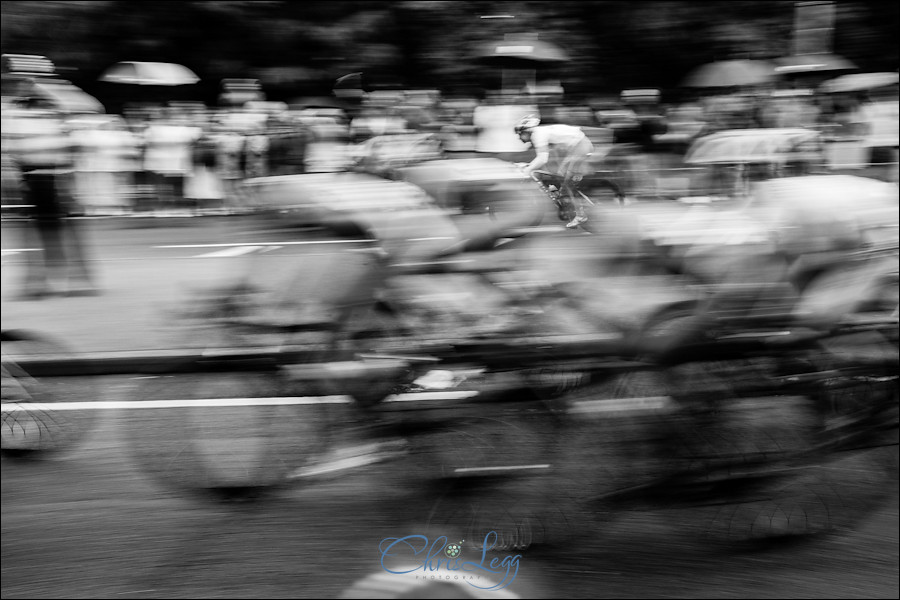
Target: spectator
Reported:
point(104, 164)
point(42, 148)
point(496, 119)
point(204, 188)
point(229, 148)
point(256, 150)
point(167, 156)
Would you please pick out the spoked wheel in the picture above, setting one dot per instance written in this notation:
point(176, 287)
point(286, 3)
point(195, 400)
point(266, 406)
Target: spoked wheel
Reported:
point(41, 413)
point(610, 436)
point(229, 435)
point(491, 476)
point(487, 521)
point(827, 498)
point(770, 468)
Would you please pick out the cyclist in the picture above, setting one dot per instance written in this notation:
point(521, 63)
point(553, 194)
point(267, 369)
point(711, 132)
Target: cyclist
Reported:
point(568, 146)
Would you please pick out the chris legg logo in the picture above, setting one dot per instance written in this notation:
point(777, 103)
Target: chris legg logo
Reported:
point(453, 550)
point(440, 560)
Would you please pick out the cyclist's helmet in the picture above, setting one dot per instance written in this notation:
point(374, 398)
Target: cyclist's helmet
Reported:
point(527, 123)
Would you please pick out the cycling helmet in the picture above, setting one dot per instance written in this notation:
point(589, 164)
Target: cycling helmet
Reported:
point(526, 123)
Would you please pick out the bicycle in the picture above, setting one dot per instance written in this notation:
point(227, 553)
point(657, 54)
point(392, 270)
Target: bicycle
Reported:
point(594, 192)
point(43, 412)
point(752, 438)
point(739, 429)
point(509, 425)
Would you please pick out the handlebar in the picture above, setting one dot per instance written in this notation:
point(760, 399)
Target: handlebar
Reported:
point(521, 167)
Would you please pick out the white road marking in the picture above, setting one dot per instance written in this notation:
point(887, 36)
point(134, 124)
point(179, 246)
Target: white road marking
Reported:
point(224, 402)
point(17, 250)
point(305, 243)
point(230, 252)
point(621, 404)
point(442, 395)
point(503, 468)
point(185, 403)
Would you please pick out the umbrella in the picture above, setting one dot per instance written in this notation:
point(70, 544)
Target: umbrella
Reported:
point(67, 97)
point(351, 81)
point(520, 53)
point(750, 145)
point(149, 73)
point(859, 81)
point(730, 73)
point(812, 63)
point(349, 86)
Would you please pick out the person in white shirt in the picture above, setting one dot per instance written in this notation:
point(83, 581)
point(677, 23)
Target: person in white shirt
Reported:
point(167, 154)
point(565, 148)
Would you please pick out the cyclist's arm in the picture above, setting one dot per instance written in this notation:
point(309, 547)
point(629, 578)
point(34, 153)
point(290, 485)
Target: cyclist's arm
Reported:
point(542, 158)
point(541, 144)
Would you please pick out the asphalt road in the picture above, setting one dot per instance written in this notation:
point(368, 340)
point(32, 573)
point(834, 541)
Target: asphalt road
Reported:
point(91, 523)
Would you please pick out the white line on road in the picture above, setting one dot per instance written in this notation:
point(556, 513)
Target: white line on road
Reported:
point(224, 402)
point(305, 243)
point(229, 252)
point(621, 404)
point(186, 403)
point(503, 468)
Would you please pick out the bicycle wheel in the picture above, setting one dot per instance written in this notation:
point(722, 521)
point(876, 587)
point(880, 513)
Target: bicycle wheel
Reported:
point(603, 192)
point(41, 414)
point(227, 435)
point(803, 479)
point(491, 475)
point(610, 442)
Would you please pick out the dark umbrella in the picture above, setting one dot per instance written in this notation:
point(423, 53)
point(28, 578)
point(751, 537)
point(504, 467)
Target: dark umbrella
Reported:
point(527, 55)
point(730, 73)
point(350, 88)
point(519, 54)
point(351, 81)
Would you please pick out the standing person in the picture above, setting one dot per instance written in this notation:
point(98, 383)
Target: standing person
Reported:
point(569, 149)
point(256, 151)
point(105, 153)
point(43, 150)
point(168, 155)
point(229, 150)
point(493, 120)
point(204, 188)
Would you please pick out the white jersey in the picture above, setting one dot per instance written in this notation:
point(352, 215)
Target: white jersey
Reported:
point(562, 139)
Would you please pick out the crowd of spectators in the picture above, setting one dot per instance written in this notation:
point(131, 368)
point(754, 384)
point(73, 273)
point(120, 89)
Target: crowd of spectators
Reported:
point(188, 157)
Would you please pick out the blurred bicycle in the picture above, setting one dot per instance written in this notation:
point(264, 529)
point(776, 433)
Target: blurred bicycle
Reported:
point(42, 411)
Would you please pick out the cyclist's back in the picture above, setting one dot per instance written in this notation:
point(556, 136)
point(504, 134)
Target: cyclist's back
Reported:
point(560, 139)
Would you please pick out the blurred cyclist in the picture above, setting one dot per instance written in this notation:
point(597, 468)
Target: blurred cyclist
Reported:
point(568, 146)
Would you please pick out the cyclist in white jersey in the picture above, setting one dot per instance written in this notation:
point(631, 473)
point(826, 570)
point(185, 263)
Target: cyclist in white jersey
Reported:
point(569, 148)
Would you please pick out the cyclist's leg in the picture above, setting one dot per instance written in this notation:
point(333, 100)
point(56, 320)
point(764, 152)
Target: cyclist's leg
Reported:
point(571, 170)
